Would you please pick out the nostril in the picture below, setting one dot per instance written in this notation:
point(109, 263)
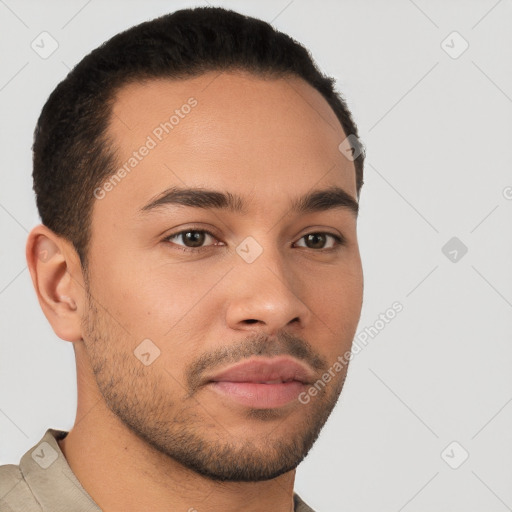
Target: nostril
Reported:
point(251, 321)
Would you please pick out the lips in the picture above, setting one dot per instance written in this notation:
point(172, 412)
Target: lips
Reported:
point(262, 383)
point(273, 370)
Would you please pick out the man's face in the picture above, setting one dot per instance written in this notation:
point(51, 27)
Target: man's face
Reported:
point(269, 296)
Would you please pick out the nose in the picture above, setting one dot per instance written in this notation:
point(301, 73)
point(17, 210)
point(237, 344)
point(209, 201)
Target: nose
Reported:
point(265, 296)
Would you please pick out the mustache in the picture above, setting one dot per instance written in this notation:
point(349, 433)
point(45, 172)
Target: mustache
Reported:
point(283, 343)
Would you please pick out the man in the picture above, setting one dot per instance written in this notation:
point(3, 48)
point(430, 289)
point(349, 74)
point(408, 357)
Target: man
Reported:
point(198, 180)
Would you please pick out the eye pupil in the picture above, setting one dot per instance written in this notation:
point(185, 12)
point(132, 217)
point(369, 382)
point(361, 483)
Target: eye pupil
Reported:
point(196, 237)
point(315, 237)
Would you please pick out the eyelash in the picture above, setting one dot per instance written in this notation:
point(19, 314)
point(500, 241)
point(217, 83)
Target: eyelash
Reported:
point(338, 239)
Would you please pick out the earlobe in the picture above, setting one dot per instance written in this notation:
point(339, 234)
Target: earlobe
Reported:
point(57, 280)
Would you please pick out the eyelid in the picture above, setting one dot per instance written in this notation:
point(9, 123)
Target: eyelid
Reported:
point(187, 230)
point(339, 239)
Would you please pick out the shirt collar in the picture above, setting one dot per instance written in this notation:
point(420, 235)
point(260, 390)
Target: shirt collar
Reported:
point(56, 487)
point(50, 478)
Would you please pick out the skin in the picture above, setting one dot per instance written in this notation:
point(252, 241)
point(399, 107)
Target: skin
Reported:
point(268, 141)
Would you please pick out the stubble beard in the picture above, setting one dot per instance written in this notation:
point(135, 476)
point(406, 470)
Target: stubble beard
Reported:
point(182, 429)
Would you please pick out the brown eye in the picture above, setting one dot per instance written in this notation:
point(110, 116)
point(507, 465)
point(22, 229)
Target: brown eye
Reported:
point(319, 240)
point(315, 240)
point(191, 238)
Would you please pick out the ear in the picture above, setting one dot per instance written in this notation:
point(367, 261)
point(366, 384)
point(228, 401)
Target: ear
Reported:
point(58, 281)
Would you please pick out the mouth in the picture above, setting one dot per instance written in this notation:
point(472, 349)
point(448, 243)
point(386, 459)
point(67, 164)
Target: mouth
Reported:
point(262, 383)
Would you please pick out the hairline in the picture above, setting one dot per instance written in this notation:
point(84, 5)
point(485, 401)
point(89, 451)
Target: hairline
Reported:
point(137, 79)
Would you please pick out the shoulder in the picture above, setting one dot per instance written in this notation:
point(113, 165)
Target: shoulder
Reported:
point(15, 494)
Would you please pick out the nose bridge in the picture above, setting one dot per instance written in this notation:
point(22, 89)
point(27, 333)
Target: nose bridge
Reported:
point(265, 290)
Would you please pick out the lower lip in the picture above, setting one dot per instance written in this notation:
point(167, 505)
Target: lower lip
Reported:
point(258, 395)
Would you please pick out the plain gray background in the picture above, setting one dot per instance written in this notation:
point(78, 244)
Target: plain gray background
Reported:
point(438, 128)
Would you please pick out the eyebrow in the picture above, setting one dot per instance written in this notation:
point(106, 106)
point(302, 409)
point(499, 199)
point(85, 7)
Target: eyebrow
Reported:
point(330, 198)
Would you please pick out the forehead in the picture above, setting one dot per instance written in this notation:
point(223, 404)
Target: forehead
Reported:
point(230, 131)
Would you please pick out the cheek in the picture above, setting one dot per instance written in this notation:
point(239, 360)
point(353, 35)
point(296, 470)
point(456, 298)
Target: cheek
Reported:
point(125, 291)
point(337, 308)
point(338, 292)
point(158, 300)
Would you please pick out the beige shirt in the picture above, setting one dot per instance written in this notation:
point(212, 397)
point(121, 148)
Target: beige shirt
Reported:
point(44, 482)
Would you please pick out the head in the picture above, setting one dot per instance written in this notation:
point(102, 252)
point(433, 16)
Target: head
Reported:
point(198, 212)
